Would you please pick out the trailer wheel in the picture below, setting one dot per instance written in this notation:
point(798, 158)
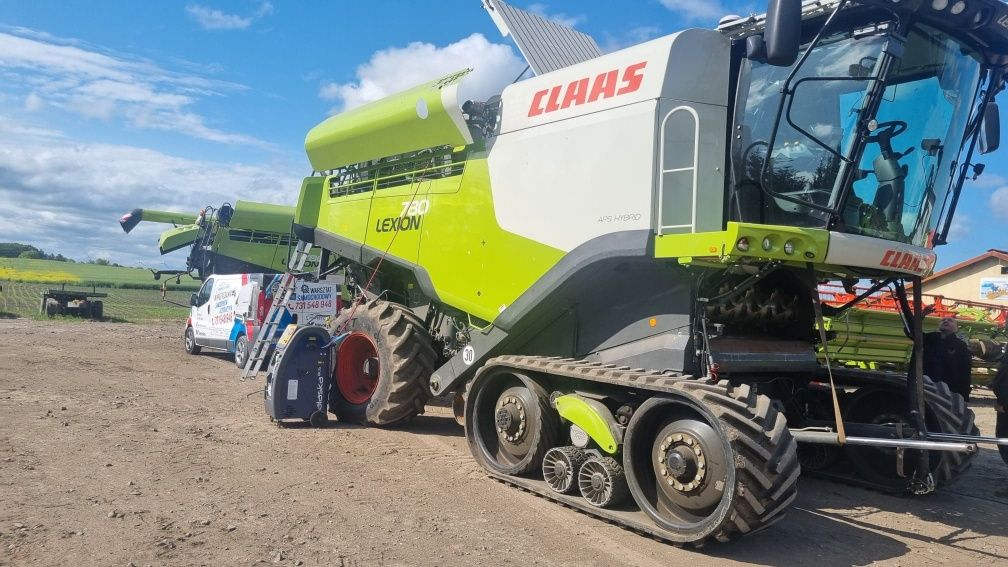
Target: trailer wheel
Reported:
point(97, 309)
point(52, 307)
point(190, 342)
point(241, 352)
point(383, 367)
point(509, 422)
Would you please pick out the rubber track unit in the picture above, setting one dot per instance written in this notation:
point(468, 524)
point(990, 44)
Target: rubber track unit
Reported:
point(766, 458)
point(406, 349)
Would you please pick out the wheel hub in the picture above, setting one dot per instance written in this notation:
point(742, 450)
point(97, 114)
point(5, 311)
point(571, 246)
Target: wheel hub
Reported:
point(682, 462)
point(510, 419)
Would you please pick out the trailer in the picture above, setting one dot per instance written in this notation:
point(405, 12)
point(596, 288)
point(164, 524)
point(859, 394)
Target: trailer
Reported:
point(77, 303)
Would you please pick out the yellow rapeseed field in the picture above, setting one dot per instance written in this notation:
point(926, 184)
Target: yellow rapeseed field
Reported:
point(22, 275)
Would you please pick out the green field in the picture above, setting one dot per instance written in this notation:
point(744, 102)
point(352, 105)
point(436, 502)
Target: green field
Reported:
point(52, 272)
point(129, 305)
point(133, 294)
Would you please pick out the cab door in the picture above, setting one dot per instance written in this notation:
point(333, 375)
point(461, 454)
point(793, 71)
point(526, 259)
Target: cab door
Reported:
point(200, 313)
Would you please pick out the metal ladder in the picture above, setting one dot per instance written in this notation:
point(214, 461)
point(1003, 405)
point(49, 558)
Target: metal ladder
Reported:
point(264, 336)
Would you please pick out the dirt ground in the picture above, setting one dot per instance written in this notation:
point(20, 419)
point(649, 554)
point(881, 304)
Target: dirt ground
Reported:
point(117, 448)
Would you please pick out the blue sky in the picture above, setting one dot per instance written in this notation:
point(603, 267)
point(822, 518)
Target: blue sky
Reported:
point(108, 106)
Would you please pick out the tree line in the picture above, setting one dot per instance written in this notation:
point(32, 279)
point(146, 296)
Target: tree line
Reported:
point(18, 250)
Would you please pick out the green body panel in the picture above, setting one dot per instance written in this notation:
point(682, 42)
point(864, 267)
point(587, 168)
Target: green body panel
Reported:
point(390, 126)
point(475, 265)
point(169, 217)
point(309, 201)
point(272, 255)
point(588, 415)
point(177, 237)
point(810, 244)
point(249, 215)
point(454, 236)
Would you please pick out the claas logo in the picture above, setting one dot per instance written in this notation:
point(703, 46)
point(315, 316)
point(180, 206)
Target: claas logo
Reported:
point(909, 261)
point(587, 90)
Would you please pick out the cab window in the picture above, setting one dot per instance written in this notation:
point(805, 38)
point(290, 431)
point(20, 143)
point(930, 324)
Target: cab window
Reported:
point(204, 292)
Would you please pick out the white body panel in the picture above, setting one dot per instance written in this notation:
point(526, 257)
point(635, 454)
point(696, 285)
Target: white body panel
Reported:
point(543, 194)
point(866, 252)
point(532, 102)
point(576, 156)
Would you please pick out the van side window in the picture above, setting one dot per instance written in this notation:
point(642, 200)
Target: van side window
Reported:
point(204, 292)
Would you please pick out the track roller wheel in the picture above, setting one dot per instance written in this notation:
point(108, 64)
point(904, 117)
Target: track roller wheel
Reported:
point(713, 463)
point(509, 422)
point(383, 366)
point(560, 468)
point(601, 482)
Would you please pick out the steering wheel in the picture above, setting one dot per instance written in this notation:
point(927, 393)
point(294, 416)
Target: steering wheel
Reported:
point(887, 130)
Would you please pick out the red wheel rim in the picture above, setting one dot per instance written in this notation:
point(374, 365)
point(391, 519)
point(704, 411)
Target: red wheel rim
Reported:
point(357, 368)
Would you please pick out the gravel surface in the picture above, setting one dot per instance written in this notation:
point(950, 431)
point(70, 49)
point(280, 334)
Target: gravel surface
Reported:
point(117, 448)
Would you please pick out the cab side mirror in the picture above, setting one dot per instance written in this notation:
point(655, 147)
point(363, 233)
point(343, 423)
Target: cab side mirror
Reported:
point(783, 32)
point(990, 129)
point(193, 300)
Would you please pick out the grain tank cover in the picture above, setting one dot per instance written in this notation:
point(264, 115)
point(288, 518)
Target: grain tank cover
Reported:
point(249, 215)
point(424, 116)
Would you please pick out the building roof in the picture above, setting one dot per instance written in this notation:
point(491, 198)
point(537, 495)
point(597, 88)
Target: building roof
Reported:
point(992, 253)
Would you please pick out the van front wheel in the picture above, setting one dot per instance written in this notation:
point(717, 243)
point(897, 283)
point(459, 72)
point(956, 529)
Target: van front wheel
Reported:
point(190, 342)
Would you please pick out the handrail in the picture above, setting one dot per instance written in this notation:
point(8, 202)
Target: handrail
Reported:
point(337, 189)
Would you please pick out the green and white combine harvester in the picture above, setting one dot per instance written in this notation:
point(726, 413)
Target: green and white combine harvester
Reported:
point(613, 265)
point(246, 237)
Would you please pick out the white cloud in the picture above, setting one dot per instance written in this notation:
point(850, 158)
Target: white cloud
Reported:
point(66, 196)
point(211, 19)
point(559, 17)
point(33, 102)
point(398, 68)
point(960, 227)
point(69, 76)
point(632, 36)
point(999, 202)
point(696, 9)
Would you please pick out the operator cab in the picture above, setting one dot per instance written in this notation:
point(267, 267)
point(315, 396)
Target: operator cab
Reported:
point(869, 131)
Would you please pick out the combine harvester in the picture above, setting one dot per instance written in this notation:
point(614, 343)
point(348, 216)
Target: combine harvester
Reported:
point(248, 237)
point(613, 265)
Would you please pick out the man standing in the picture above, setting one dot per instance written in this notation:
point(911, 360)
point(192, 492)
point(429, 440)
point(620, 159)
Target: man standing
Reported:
point(1000, 387)
point(947, 358)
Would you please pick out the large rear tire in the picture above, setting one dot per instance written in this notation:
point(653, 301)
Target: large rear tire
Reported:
point(384, 365)
point(883, 403)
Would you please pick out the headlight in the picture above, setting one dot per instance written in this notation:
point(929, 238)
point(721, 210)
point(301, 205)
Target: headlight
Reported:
point(789, 247)
point(767, 243)
point(742, 244)
point(958, 8)
point(939, 4)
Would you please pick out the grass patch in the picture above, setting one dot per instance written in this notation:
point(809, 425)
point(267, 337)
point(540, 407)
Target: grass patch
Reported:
point(84, 275)
point(122, 304)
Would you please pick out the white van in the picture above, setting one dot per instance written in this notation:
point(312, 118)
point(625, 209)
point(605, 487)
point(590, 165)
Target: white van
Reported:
point(226, 312)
